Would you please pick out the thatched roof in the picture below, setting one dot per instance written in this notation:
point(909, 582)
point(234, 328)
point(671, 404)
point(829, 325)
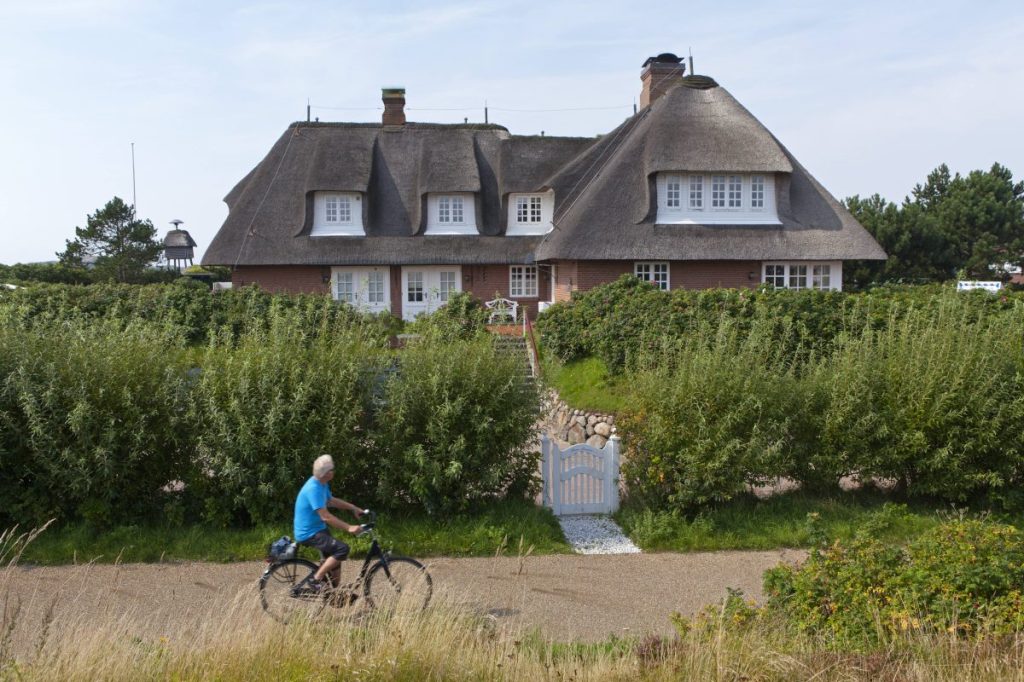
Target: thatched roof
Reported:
point(395, 169)
point(604, 191)
point(611, 213)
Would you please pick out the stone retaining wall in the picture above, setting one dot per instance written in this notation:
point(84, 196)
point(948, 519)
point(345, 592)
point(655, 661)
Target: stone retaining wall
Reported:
point(573, 426)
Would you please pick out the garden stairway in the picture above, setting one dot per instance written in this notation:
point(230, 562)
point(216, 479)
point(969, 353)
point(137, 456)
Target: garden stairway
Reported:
point(516, 346)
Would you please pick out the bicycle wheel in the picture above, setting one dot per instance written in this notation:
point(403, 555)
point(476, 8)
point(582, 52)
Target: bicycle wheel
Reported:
point(399, 583)
point(282, 596)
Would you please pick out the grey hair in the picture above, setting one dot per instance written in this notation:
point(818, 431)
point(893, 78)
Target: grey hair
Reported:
point(322, 465)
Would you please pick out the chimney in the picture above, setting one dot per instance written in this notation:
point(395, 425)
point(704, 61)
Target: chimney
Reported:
point(394, 106)
point(659, 75)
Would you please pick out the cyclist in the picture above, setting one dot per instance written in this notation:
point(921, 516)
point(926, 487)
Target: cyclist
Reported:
point(312, 519)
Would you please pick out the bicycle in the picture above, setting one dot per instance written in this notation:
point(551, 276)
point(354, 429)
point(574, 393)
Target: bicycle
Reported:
point(387, 581)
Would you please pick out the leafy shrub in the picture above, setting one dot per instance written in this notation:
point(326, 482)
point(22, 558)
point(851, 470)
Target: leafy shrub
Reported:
point(623, 319)
point(262, 412)
point(91, 421)
point(934, 400)
point(964, 577)
point(185, 306)
point(708, 417)
point(463, 317)
point(456, 426)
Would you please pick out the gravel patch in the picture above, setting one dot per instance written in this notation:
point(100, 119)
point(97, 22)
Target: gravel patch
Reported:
point(592, 534)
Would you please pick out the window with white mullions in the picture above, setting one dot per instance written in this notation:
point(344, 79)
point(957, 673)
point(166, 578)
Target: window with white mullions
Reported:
point(735, 191)
point(673, 191)
point(775, 275)
point(528, 209)
point(345, 289)
point(523, 281)
point(717, 191)
point(697, 191)
point(458, 216)
point(444, 210)
point(821, 277)
point(655, 273)
point(414, 290)
point(797, 276)
point(447, 286)
point(757, 191)
point(375, 288)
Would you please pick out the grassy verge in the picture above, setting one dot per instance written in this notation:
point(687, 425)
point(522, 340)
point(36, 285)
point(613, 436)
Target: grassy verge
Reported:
point(780, 521)
point(585, 384)
point(482, 533)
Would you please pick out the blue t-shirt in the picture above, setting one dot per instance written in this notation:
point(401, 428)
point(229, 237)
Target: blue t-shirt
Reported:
point(314, 495)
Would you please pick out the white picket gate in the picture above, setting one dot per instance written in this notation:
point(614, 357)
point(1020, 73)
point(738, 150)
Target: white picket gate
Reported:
point(581, 479)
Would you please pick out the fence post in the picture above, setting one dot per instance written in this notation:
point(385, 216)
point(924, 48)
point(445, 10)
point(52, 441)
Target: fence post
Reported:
point(545, 471)
point(555, 456)
point(613, 474)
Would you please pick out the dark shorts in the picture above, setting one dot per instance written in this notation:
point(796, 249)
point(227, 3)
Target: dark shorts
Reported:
point(327, 545)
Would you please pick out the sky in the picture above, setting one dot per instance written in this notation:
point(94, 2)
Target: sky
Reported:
point(869, 96)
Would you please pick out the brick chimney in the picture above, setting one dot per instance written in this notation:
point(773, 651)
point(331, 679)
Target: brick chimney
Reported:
point(659, 75)
point(394, 106)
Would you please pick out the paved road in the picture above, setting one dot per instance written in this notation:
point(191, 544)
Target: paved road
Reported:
point(566, 596)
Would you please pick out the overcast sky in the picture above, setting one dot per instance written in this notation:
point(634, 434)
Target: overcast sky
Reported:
point(869, 96)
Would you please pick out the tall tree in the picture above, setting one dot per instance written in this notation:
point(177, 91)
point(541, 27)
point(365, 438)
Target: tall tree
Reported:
point(951, 223)
point(115, 241)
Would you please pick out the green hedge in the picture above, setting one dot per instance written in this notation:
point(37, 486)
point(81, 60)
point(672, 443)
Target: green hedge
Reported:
point(118, 422)
point(623, 319)
point(933, 400)
point(447, 411)
point(188, 308)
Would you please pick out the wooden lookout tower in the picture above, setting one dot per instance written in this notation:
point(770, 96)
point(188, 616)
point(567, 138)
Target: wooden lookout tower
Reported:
point(178, 247)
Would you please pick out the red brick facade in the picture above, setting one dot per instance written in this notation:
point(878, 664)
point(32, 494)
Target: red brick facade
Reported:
point(291, 279)
point(486, 281)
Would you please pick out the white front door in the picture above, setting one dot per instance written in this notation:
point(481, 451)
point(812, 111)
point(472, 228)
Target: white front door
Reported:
point(366, 288)
point(425, 289)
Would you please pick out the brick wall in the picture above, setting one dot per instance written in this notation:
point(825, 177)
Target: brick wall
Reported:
point(292, 279)
point(483, 281)
point(583, 275)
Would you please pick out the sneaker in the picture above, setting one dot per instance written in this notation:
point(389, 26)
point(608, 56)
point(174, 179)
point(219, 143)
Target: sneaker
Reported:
point(309, 588)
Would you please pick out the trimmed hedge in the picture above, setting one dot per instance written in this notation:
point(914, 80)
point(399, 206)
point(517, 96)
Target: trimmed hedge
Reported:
point(934, 401)
point(628, 317)
point(117, 422)
point(186, 307)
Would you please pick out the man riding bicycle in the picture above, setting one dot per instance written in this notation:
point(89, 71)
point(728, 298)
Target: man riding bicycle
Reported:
point(312, 519)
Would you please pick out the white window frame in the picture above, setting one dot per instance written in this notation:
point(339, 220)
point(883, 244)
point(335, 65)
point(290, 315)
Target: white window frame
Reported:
point(757, 186)
point(364, 287)
point(673, 191)
point(451, 213)
point(648, 271)
point(718, 198)
point(695, 191)
point(717, 192)
point(539, 209)
point(337, 214)
point(818, 275)
point(523, 281)
point(734, 192)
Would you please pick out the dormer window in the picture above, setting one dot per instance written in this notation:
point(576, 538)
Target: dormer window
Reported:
point(450, 211)
point(530, 214)
point(337, 214)
point(451, 214)
point(734, 199)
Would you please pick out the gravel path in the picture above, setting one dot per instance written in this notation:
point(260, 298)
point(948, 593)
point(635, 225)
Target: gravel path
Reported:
point(591, 534)
point(566, 596)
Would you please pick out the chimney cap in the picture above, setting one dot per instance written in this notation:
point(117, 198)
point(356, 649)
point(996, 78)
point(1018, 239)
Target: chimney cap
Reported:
point(663, 58)
point(392, 92)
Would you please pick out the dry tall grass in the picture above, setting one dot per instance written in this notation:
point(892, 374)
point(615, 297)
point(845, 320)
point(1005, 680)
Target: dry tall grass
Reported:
point(450, 641)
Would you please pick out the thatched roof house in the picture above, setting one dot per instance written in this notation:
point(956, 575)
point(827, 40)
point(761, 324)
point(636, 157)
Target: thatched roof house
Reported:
point(691, 191)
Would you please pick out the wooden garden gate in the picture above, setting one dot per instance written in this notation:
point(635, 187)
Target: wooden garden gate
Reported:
point(581, 479)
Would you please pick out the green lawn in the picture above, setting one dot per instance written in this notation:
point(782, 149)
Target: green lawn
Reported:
point(483, 533)
point(781, 521)
point(585, 384)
